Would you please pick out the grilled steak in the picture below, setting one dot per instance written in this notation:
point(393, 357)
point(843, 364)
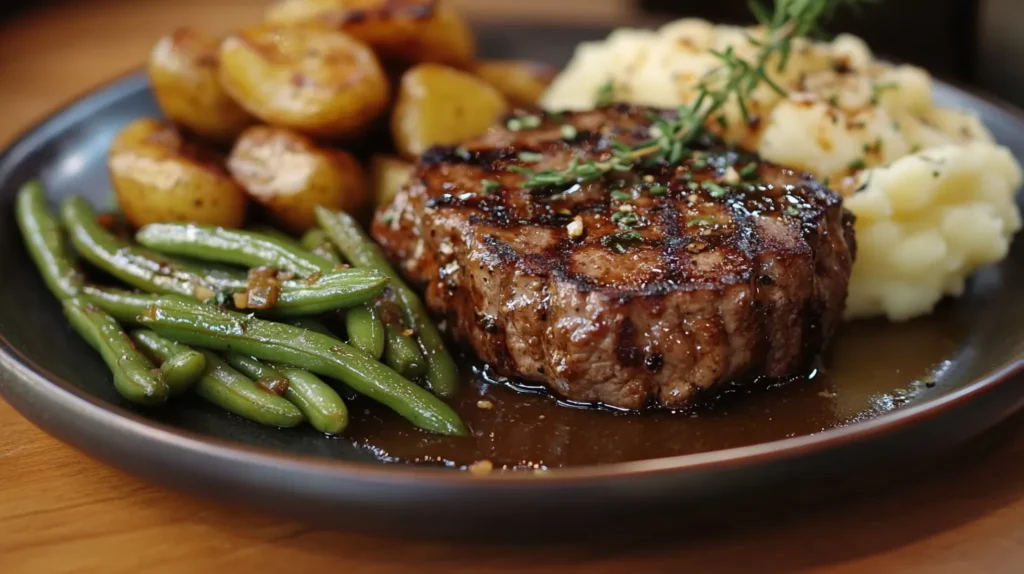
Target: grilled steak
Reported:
point(651, 286)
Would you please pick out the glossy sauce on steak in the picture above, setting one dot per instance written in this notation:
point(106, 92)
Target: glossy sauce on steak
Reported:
point(652, 286)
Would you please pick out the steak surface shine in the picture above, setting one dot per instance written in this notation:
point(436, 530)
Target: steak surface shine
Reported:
point(648, 287)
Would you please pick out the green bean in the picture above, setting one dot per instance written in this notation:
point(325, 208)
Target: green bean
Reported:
point(145, 270)
point(137, 267)
point(361, 251)
point(231, 246)
point(223, 386)
point(266, 377)
point(233, 392)
point(335, 290)
point(276, 234)
point(205, 326)
point(365, 330)
point(45, 241)
point(311, 324)
point(402, 353)
point(333, 293)
point(316, 240)
point(181, 366)
point(125, 306)
point(321, 405)
point(135, 377)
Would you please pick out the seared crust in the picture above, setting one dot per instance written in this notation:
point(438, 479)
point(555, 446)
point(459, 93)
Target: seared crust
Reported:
point(741, 271)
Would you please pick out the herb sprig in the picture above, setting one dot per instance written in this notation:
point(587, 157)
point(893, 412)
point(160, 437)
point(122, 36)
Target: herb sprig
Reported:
point(734, 78)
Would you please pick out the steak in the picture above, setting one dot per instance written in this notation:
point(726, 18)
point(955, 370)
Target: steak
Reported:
point(652, 286)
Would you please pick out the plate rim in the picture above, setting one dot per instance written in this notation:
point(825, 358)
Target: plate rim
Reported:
point(43, 386)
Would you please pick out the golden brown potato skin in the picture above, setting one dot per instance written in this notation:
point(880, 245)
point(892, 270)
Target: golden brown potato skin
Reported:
point(439, 105)
point(521, 81)
point(160, 177)
point(309, 78)
point(290, 175)
point(387, 175)
point(410, 31)
point(183, 74)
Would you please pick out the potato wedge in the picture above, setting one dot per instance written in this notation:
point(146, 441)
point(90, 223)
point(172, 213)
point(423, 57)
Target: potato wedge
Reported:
point(411, 31)
point(159, 177)
point(311, 79)
point(387, 175)
point(182, 71)
point(290, 175)
point(438, 105)
point(521, 81)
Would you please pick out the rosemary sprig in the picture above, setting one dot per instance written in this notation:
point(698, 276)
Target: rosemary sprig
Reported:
point(734, 77)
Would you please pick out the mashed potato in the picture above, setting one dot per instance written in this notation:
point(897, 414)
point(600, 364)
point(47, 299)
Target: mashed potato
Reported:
point(933, 193)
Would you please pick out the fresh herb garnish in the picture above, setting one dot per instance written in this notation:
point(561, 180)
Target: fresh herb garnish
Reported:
point(568, 132)
point(699, 221)
point(714, 189)
point(626, 219)
point(879, 88)
point(518, 123)
point(622, 195)
point(856, 164)
point(791, 211)
point(659, 190)
point(734, 79)
point(489, 185)
point(605, 94)
point(749, 170)
point(623, 241)
point(530, 156)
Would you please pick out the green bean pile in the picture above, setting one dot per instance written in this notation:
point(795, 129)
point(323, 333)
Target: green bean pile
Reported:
point(250, 342)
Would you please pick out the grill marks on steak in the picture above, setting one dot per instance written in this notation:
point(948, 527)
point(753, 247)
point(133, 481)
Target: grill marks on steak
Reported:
point(731, 281)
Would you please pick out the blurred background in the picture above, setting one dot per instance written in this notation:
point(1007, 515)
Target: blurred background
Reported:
point(975, 42)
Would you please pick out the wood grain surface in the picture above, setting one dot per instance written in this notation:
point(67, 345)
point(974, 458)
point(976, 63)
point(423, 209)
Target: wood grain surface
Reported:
point(62, 512)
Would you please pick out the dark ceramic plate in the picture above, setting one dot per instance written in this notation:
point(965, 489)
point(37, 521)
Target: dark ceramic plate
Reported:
point(893, 393)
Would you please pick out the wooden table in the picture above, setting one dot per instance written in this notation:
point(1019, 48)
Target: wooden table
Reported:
point(62, 512)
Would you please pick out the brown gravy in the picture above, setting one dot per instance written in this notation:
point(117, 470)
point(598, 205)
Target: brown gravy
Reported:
point(873, 367)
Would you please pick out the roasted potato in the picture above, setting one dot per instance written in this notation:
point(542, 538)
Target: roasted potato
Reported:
point(158, 176)
point(410, 31)
point(311, 79)
point(388, 174)
point(441, 105)
point(290, 175)
point(183, 74)
point(521, 81)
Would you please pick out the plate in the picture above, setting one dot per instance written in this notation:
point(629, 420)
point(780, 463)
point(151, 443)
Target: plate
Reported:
point(957, 371)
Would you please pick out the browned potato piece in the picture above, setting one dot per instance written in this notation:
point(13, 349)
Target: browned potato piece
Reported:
point(388, 174)
point(408, 30)
point(183, 74)
point(312, 79)
point(290, 175)
point(523, 82)
point(160, 177)
point(440, 105)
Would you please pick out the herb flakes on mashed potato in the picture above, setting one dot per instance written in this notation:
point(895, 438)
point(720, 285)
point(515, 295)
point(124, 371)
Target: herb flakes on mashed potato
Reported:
point(932, 192)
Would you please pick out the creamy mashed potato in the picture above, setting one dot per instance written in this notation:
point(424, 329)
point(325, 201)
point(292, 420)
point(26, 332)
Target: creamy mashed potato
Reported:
point(933, 193)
